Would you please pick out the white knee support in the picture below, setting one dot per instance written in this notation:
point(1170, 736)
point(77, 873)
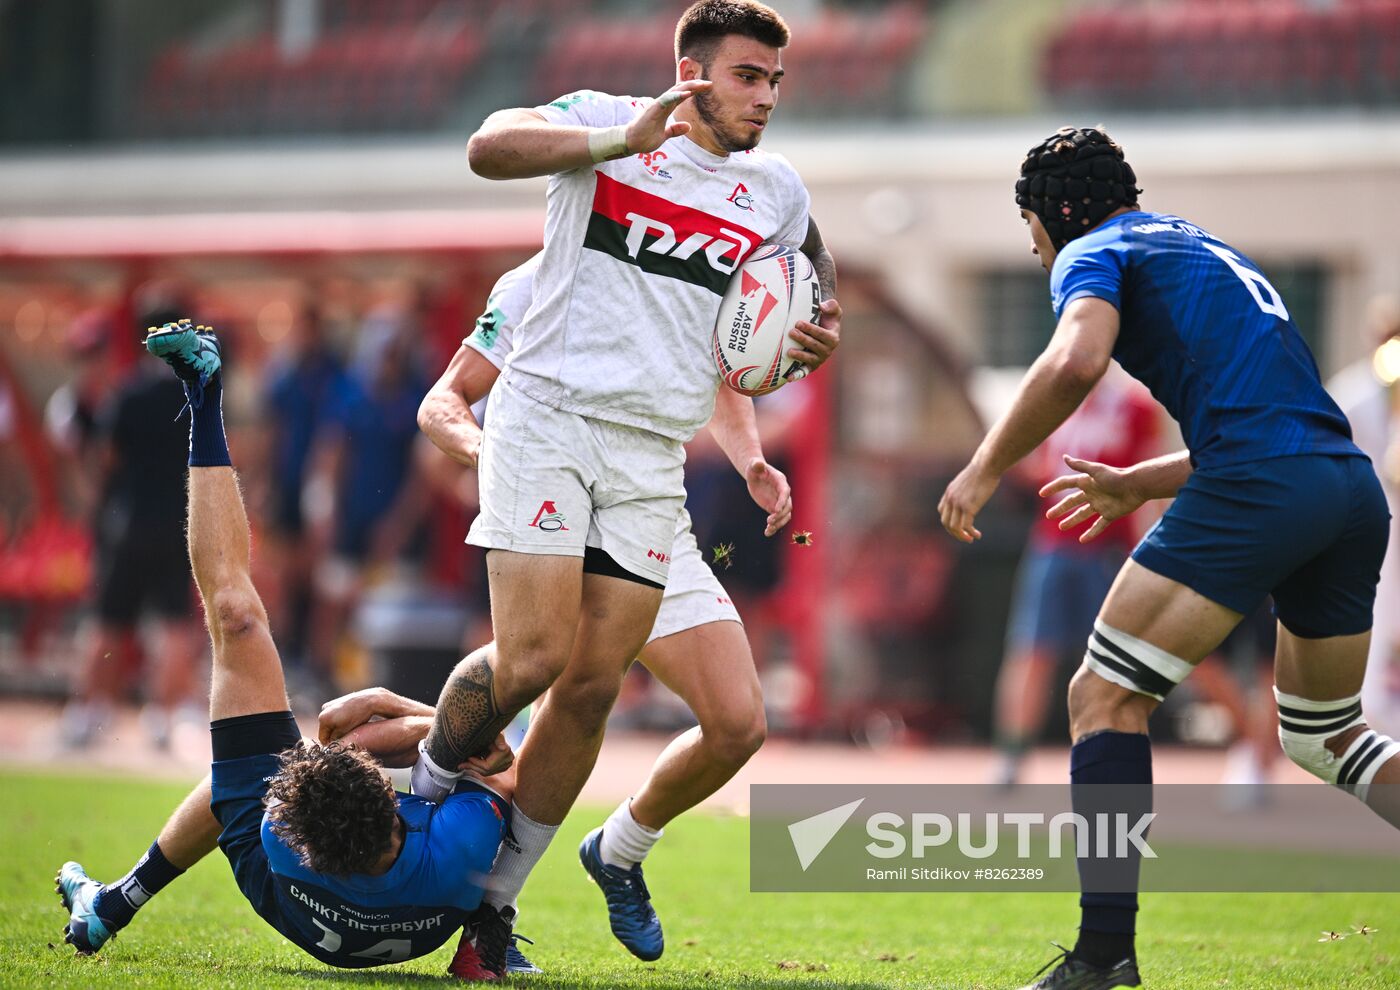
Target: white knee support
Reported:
point(1304, 726)
point(1133, 663)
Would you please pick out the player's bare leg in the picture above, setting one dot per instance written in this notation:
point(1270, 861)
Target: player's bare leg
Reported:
point(192, 832)
point(1162, 613)
point(1149, 635)
point(535, 604)
point(1308, 673)
point(565, 735)
point(549, 617)
point(247, 674)
point(564, 738)
point(711, 668)
point(247, 671)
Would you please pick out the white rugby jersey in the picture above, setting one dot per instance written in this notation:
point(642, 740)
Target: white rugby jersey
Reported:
point(494, 337)
point(637, 255)
point(510, 298)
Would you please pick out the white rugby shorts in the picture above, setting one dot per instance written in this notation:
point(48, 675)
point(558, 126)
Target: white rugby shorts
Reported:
point(554, 482)
point(694, 596)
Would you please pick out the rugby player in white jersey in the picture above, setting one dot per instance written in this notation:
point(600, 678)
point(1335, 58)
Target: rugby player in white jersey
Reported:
point(652, 204)
point(696, 647)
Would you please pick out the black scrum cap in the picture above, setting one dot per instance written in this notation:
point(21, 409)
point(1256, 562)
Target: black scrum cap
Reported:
point(1073, 179)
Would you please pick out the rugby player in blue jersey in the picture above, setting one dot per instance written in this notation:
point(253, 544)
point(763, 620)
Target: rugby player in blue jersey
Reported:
point(1272, 497)
point(321, 845)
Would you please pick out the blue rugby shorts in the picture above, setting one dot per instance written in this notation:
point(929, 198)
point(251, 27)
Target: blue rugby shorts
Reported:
point(1311, 530)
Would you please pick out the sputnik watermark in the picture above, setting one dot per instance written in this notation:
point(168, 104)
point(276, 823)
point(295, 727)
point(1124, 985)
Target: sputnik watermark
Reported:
point(828, 837)
point(1113, 836)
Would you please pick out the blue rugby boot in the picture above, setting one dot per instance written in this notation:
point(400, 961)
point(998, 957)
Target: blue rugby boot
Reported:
point(193, 351)
point(630, 913)
point(516, 963)
point(85, 931)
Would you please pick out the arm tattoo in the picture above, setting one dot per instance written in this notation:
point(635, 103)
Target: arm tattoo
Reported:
point(467, 719)
point(822, 261)
point(825, 266)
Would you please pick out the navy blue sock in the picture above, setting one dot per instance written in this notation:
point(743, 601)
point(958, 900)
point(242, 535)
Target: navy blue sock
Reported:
point(119, 902)
point(208, 445)
point(1110, 774)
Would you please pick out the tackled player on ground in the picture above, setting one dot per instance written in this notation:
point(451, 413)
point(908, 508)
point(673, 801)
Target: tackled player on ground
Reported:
point(320, 844)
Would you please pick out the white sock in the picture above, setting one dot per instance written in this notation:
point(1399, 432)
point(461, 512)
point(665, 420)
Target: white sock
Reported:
point(625, 841)
point(524, 844)
point(431, 781)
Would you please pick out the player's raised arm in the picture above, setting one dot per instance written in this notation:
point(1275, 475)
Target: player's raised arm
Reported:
point(1053, 388)
point(521, 144)
point(445, 415)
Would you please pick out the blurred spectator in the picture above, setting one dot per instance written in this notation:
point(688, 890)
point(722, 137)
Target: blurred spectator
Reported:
point(71, 416)
point(141, 563)
point(303, 382)
point(1061, 582)
point(365, 465)
point(1368, 393)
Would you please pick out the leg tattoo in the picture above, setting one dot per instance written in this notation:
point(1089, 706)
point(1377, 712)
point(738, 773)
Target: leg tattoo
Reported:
point(467, 720)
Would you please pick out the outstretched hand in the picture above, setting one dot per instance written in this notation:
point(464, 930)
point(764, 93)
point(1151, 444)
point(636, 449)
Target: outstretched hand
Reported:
point(769, 488)
point(650, 130)
point(1094, 490)
point(964, 498)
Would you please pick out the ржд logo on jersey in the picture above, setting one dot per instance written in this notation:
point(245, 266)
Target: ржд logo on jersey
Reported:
point(549, 519)
point(666, 238)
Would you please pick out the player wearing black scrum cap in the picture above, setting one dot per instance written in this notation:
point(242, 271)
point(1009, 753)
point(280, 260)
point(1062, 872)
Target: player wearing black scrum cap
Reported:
point(1272, 497)
point(1073, 180)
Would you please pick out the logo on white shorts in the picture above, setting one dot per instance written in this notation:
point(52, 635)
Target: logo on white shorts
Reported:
point(549, 519)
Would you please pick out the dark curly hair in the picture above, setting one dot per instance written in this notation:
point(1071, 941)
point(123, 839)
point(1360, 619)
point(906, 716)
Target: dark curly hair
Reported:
point(333, 806)
point(706, 23)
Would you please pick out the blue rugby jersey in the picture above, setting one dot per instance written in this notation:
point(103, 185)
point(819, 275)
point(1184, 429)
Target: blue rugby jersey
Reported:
point(1204, 330)
point(423, 899)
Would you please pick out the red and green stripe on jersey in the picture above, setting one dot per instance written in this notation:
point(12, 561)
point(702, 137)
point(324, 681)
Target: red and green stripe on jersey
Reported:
point(665, 238)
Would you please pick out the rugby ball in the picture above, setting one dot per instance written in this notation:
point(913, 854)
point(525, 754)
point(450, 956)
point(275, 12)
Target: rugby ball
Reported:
point(767, 295)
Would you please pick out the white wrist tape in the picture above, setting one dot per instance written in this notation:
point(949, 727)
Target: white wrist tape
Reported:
point(431, 781)
point(605, 143)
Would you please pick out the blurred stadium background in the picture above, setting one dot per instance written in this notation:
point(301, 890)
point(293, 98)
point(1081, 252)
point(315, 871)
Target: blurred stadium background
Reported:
point(292, 171)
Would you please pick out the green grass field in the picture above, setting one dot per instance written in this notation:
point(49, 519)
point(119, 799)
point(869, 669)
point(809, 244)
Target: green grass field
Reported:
point(200, 933)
